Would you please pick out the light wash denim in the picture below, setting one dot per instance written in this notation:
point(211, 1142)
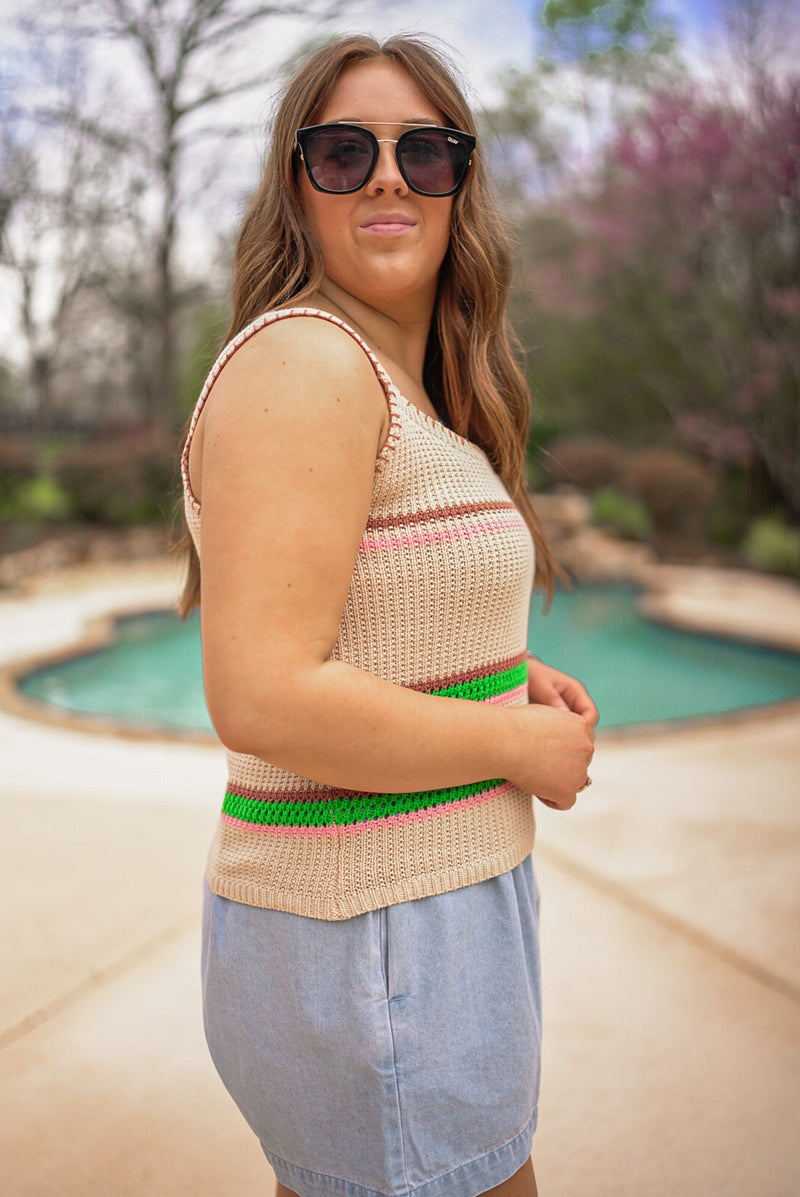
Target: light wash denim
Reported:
point(394, 1053)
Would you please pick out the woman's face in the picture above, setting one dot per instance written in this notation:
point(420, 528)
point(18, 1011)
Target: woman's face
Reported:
point(383, 244)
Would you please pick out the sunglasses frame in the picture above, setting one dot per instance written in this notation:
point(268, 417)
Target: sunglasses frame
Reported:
point(302, 137)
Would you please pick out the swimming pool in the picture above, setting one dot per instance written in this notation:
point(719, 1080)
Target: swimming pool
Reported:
point(637, 671)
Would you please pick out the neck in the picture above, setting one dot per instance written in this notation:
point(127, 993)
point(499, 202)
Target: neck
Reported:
point(394, 336)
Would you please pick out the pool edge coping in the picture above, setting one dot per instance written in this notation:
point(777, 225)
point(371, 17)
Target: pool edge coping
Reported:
point(99, 631)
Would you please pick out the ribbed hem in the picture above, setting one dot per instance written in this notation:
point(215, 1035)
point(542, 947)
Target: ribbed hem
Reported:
point(335, 907)
point(339, 876)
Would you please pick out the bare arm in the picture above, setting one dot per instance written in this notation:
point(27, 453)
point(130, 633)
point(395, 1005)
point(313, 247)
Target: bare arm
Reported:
point(288, 455)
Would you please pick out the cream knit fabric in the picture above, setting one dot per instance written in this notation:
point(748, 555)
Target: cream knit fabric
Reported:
point(438, 602)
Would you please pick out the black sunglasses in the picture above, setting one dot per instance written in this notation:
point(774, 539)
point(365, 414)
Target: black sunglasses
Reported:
point(340, 158)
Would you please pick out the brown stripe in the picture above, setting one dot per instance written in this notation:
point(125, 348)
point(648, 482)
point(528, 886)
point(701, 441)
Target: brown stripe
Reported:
point(381, 522)
point(456, 679)
point(317, 794)
point(321, 793)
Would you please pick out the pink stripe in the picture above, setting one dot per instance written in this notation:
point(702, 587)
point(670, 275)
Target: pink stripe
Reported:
point(373, 824)
point(375, 544)
point(509, 695)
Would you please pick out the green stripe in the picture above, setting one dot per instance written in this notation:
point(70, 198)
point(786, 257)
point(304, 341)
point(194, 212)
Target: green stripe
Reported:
point(350, 808)
point(480, 688)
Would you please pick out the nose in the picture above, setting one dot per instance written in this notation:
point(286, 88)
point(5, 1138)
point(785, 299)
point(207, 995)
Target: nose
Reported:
point(386, 176)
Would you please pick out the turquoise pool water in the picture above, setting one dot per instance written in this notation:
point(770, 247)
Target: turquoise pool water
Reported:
point(637, 671)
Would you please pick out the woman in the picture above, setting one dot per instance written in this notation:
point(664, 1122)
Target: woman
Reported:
point(370, 959)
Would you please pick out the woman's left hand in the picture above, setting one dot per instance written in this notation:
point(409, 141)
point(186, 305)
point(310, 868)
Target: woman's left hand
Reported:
point(552, 688)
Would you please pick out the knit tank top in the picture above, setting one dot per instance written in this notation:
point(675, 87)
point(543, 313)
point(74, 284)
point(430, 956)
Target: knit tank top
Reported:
point(438, 602)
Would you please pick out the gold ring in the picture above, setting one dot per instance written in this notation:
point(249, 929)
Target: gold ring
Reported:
point(585, 785)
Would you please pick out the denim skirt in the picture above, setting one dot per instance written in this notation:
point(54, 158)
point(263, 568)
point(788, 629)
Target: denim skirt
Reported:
point(389, 1054)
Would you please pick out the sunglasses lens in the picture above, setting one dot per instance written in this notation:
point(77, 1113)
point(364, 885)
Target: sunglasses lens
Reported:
point(339, 160)
point(434, 161)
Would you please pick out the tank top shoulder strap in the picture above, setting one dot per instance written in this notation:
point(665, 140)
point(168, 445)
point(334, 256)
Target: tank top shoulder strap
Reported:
point(267, 318)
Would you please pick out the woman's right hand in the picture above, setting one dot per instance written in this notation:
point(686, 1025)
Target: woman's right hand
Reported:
point(553, 752)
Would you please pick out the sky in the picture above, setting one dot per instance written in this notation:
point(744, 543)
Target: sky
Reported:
point(481, 40)
point(486, 37)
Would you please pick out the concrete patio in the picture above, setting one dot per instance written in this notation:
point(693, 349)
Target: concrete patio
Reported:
point(670, 942)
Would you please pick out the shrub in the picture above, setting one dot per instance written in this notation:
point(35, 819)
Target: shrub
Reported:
point(585, 462)
point(160, 479)
point(118, 482)
point(41, 498)
point(208, 326)
point(624, 514)
point(678, 491)
point(534, 474)
point(18, 465)
point(773, 546)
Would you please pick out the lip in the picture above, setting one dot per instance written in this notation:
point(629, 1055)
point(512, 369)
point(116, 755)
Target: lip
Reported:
point(387, 224)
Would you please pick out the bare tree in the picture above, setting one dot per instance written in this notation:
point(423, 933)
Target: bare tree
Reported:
point(762, 37)
point(596, 61)
point(58, 199)
point(183, 62)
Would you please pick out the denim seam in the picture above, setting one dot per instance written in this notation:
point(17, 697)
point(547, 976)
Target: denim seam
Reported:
point(348, 1186)
point(477, 1159)
point(394, 1067)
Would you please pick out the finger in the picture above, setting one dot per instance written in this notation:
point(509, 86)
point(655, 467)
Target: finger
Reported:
point(548, 696)
point(567, 804)
point(582, 705)
point(572, 690)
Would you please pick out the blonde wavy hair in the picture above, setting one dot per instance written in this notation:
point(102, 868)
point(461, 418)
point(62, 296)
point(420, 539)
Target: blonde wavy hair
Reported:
point(472, 372)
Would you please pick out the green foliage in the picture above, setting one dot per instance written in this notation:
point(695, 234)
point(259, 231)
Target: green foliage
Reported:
point(743, 493)
point(596, 60)
point(666, 285)
point(130, 479)
point(124, 481)
point(534, 474)
point(585, 380)
point(205, 341)
point(595, 27)
point(584, 462)
point(678, 491)
point(625, 515)
point(11, 386)
point(18, 465)
point(40, 498)
point(773, 545)
point(629, 43)
point(28, 489)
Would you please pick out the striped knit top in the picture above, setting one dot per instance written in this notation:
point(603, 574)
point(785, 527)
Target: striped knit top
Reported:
point(438, 602)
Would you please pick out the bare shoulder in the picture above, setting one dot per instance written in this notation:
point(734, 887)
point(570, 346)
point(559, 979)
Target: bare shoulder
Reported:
point(310, 359)
point(298, 386)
